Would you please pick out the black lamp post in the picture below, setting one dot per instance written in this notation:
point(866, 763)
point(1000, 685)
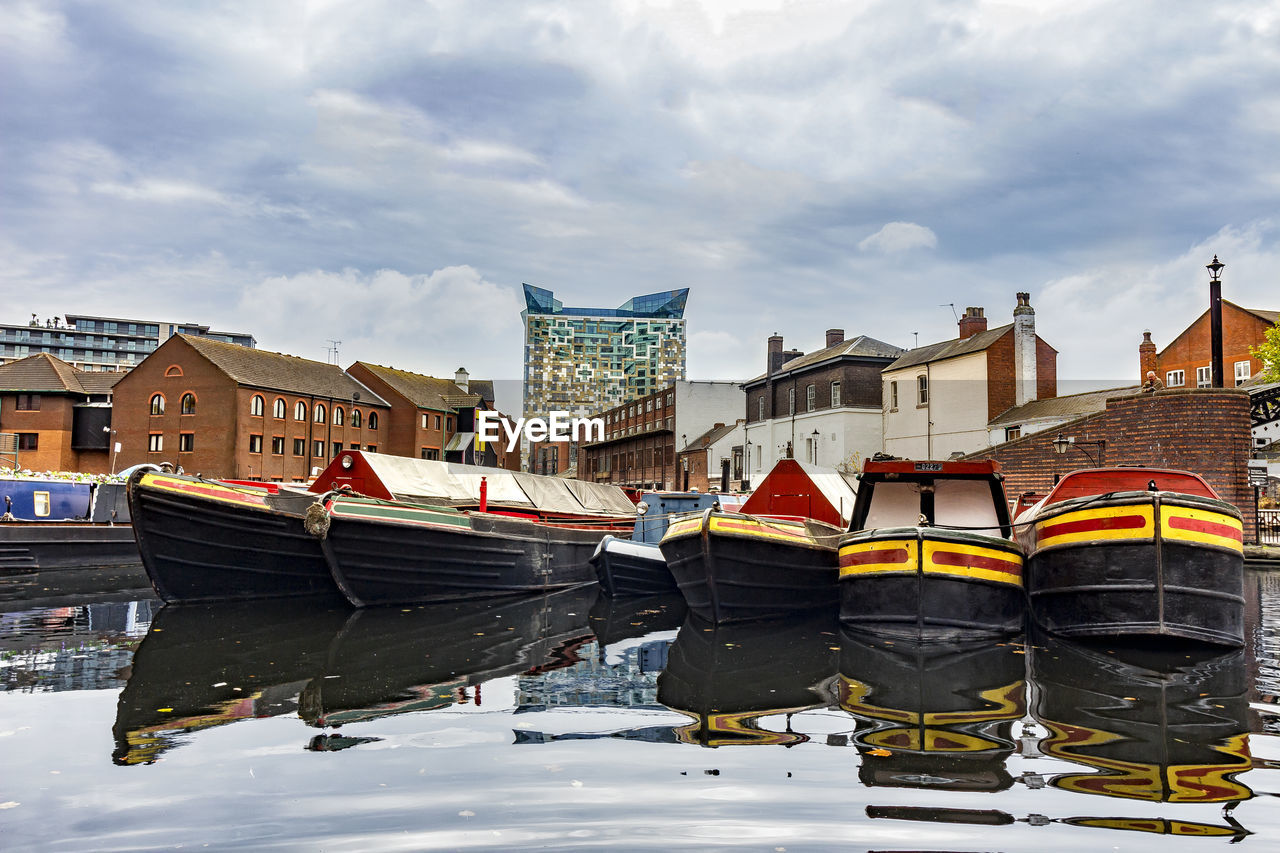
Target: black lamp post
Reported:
point(1215, 319)
point(816, 436)
point(1062, 444)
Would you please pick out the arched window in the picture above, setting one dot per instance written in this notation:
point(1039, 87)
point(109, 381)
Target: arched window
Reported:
point(255, 405)
point(173, 370)
point(320, 413)
point(277, 408)
point(157, 404)
point(188, 404)
point(373, 420)
point(338, 416)
point(355, 418)
point(300, 411)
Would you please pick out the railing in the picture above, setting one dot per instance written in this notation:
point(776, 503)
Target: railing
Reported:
point(1269, 527)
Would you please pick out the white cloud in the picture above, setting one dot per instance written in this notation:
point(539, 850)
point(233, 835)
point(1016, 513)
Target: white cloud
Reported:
point(900, 237)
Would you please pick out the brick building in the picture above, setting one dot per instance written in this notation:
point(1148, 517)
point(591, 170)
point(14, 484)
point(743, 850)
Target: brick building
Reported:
point(713, 460)
point(60, 415)
point(940, 398)
point(228, 411)
point(1205, 431)
point(1187, 361)
point(435, 418)
point(823, 408)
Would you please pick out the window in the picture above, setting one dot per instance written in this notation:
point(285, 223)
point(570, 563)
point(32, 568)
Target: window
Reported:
point(157, 404)
point(300, 411)
point(255, 444)
point(1175, 379)
point(355, 418)
point(355, 445)
point(339, 416)
point(760, 408)
point(186, 442)
point(299, 447)
point(922, 390)
point(791, 401)
point(28, 403)
point(155, 442)
point(277, 408)
point(371, 448)
point(173, 370)
point(1010, 433)
point(759, 456)
point(188, 404)
point(835, 395)
point(320, 413)
point(668, 399)
point(317, 449)
point(810, 397)
point(1204, 376)
point(437, 422)
point(426, 419)
point(337, 448)
point(373, 421)
point(277, 445)
point(255, 406)
point(1243, 372)
point(430, 453)
point(28, 441)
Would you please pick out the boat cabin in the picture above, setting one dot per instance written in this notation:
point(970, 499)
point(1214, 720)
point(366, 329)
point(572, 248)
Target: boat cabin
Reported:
point(795, 489)
point(1088, 482)
point(958, 495)
point(656, 510)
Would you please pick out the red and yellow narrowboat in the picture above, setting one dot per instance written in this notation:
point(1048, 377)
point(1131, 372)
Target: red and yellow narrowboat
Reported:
point(930, 553)
point(1136, 551)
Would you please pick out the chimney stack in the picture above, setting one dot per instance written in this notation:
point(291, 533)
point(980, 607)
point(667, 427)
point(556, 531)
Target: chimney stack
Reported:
point(1146, 357)
point(774, 359)
point(972, 323)
point(460, 379)
point(1024, 350)
point(834, 336)
point(790, 354)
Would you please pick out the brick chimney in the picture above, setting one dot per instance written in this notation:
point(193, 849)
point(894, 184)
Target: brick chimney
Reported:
point(1024, 350)
point(1146, 356)
point(774, 359)
point(834, 336)
point(972, 322)
point(790, 354)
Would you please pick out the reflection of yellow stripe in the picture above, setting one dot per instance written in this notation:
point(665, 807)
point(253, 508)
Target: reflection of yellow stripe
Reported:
point(1168, 531)
point(934, 740)
point(1006, 703)
point(1146, 531)
point(857, 549)
point(931, 566)
point(1156, 825)
point(738, 730)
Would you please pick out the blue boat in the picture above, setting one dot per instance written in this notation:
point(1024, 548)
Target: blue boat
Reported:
point(54, 523)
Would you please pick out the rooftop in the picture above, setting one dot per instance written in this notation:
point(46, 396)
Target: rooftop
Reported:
point(279, 372)
point(664, 304)
point(43, 373)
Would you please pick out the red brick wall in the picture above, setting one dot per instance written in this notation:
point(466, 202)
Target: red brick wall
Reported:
point(52, 426)
point(1001, 373)
point(1046, 370)
point(1191, 349)
point(1204, 431)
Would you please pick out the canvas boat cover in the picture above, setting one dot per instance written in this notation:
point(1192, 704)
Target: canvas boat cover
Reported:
point(791, 478)
point(419, 479)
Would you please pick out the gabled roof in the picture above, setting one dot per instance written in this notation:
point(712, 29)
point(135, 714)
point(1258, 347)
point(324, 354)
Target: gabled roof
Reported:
point(43, 373)
point(278, 372)
point(1067, 407)
point(859, 346)
point(950, 349)
point(426, 392)
point(1261, 313)
point(711, 436)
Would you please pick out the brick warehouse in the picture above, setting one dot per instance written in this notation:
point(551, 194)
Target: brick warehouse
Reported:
point(1205, 431)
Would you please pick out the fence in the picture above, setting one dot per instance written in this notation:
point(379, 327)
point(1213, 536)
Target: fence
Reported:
point(1269, 527)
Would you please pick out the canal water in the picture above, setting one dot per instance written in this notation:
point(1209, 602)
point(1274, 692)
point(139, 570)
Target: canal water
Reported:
point(571, 722)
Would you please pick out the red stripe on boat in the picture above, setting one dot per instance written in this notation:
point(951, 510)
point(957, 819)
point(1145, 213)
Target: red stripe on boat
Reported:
point(1112, 522)
point(888, 555)
point(1011, 566)
point(1195, 525)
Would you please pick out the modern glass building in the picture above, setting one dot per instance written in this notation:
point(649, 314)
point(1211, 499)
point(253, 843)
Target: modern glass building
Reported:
point(100, 343)
point(587, 360)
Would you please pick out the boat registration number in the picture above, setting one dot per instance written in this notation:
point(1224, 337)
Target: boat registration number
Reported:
point(928, 466)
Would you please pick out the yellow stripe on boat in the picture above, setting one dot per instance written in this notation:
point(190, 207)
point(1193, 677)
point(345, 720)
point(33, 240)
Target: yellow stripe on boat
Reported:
point(879, 556)
point(972, 561)
point(684, 527)
point(744, 526)
point(1207, 527)
point(202, 488)
point(1135, 521)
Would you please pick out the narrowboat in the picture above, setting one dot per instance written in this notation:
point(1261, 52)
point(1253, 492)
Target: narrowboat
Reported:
point(930, 553)
point(636, 566)
point(526, 534)
point(1136, 551)
point(777, 555)
point(53, 523)
point(202, 540)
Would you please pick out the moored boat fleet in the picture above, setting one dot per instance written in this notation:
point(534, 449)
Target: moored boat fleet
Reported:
point(925, 550)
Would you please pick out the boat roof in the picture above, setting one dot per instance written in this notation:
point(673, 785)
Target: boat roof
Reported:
point(1087, 482)
point(404, 478)
point(880, 469)
point(831, 493)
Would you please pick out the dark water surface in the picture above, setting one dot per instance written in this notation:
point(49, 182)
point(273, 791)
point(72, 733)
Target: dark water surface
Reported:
point(569, 722)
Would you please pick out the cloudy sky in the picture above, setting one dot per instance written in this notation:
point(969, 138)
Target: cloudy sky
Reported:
point(388, 172)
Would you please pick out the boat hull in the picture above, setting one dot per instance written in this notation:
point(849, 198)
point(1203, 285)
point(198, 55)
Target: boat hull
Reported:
point(631, 568)
point(202, 541)
point(926, 583)
point(738, 567)
point(380, 554)
point(36, 545)
point(1139, 564)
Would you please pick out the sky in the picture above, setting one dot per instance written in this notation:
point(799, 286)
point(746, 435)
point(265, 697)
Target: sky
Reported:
point(387, 173)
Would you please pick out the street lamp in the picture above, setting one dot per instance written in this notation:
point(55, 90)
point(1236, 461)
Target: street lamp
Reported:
point(1215, 320)
point(1062, 444)
point(111, 435)
point(816, 436)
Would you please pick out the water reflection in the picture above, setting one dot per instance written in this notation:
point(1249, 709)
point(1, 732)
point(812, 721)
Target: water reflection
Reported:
point(728, 676)
point(74, 647)
point(932, 715)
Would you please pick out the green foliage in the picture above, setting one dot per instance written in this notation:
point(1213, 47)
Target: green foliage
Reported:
point(1269, 353)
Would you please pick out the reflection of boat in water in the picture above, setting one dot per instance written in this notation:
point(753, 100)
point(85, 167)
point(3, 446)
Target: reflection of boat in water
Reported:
point(995, 817)
point(202, 666)
point(1158, 725)
point(933, 716)
point(728, 676)
point(1136, 551)
point(616, 619)
point(388, 661)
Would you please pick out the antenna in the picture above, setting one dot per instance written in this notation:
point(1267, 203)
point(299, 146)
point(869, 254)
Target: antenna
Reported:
point(332, 350)
point(917, 343)
point(952, 306)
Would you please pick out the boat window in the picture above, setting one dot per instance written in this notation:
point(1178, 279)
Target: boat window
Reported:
point(965, 504)
point(42, 504)
point(894, 505)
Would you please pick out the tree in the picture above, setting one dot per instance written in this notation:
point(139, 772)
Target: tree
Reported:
point(1268, 352)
